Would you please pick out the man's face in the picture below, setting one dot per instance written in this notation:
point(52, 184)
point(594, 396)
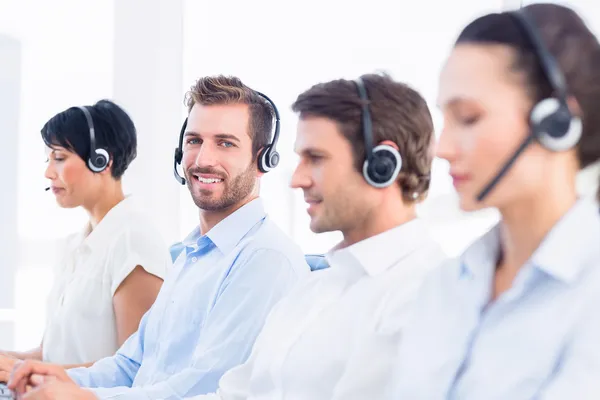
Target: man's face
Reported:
point(217, 156)
point(337, 195)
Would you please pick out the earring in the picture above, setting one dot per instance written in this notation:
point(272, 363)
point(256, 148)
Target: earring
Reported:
point(415, 195)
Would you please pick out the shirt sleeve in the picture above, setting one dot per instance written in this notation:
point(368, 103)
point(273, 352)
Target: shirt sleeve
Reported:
point(118, 370)
point(226, 340)
point(143, 247)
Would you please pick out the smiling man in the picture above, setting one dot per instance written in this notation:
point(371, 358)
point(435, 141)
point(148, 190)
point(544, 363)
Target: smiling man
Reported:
point(236, 264)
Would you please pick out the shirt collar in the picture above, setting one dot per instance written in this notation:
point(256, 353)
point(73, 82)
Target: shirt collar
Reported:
point(562, 254)
point(375, 255)
point(228, 233)
point(96, 239)
point(572, 244)
point(479, 259)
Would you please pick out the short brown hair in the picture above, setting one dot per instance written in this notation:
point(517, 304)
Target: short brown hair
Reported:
point(220, 89)
point(398, 112)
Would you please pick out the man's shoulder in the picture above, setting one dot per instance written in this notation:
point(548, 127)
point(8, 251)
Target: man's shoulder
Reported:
point(271, 242)
point(271, 236)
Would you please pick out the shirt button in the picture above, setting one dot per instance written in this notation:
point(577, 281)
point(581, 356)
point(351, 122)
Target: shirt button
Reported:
point(194, 259)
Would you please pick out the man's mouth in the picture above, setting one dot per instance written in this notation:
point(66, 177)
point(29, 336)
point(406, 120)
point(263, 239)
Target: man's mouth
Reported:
point(205, 180)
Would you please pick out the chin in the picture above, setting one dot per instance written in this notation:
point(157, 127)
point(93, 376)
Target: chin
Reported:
point(314, 226)
point(215, 204)
point(63, 204)
point(470, 203)
point(317, 226)
point(207, 204)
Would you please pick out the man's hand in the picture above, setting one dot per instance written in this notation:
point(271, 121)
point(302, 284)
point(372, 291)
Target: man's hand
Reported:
point(37, 374)
point(57, 390)
point(7, 364)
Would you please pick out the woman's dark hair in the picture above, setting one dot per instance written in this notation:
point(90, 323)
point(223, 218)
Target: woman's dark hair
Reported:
point(113, 127)
point(574, 47)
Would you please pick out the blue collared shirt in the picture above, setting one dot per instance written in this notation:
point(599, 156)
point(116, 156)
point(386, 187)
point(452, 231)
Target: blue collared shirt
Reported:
point(208, 313)
point(538, 340)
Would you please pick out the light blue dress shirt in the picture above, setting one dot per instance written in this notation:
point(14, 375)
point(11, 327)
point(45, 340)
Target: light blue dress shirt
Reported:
point(208, 313)
point(539, 340)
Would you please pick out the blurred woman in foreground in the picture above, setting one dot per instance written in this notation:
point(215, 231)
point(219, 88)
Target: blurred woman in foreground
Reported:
point(516, 316)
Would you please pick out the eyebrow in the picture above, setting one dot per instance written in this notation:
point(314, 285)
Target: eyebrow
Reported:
point(312, 151)
point(222, 136)
point(454, 101)
point(226, 136)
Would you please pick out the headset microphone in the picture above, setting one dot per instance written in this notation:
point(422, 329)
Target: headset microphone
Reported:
point(48, 188)
point(505, 168)
point(551, 123)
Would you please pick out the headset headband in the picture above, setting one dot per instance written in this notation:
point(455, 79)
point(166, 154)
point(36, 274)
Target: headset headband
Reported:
point(90, 123)
point(546, 59)
point(367, 123)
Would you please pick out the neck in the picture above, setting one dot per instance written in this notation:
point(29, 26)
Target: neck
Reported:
point(110, 196)
point(209, 219)
point(382, 218)
point(525, 225)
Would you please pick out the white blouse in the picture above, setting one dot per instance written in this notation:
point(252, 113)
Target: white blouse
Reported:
point(81, 325)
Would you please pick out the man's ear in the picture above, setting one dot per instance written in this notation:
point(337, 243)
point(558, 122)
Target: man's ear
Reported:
point(390, 143)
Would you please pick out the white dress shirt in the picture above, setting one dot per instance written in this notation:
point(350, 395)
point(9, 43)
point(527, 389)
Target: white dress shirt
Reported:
point(81, 324)
point(328, 339)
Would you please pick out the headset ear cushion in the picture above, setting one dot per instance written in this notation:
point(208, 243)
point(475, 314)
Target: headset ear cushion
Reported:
point(178, 155)
point(263, 163)
point(554, 126)
point(267, 159)
point(383, 167)
point(99, 160)
point(274, 159)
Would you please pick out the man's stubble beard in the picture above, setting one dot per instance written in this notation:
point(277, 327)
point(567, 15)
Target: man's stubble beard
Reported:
point(234, 191)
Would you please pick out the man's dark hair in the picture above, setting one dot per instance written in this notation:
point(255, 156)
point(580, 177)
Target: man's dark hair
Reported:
point(399, 114)
point(114, 131)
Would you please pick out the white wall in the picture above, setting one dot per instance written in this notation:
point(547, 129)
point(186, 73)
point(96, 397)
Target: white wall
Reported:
point(147, 81)
point(10, 82)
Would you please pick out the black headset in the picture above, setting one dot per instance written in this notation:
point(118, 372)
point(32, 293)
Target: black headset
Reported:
point(98, 158)
point(551, 122)
point(382, 163)
point(268, 158)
